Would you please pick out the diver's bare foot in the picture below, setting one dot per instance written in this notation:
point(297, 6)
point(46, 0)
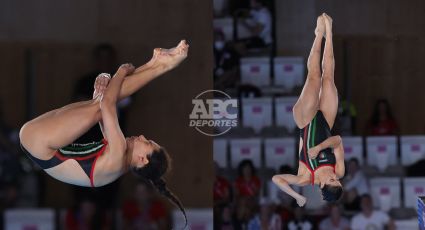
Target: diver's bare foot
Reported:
point(328, 24)
point(100, 85)
point(320, 27)
point(169, 58)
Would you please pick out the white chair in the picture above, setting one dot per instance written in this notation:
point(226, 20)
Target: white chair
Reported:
point(386, 192)
point(241, 149)
point(257, 112)
point(279, 151)
point(17, 219)
point(226, 26)
point(413, 187)
point(197, 219)
point(381, 151)
point(255, 71)
point(411, 224)
point(283, 112)
point(220, 152)
point(353, 148)
point(412, 149)
point(288, 72)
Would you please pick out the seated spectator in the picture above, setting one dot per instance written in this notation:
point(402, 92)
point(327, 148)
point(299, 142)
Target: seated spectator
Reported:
point(299, 222)
point(346, 121)
point(369, 218)
point(86, 216)
point(145, 210)
point(226, 219)
point(355, 185)
point(382, 121)
point(246, 208)
point(247, 184)
point(266, 219)
point(221, 189)
point(335, 221)
point(226, 63)
point(259, 23)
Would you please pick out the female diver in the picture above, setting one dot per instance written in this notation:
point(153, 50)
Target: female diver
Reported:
point(48, 139)
point(321, 155)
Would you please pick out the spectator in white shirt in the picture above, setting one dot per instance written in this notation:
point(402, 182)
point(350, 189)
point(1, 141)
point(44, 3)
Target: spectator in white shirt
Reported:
point(335, 221)
point(355, 185)
point(369, 218)
point(259, 24)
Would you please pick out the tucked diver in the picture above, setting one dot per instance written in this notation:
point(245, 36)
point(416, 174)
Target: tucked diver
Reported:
point(48, 139)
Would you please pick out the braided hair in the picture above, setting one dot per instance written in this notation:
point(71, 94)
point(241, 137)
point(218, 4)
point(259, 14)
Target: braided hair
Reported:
point(159, 164)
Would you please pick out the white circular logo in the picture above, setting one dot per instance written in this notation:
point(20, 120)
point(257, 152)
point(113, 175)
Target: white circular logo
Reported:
point(219, 114)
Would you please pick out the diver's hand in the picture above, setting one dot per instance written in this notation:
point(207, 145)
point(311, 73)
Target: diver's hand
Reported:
point(313, 152)
point(301, 200)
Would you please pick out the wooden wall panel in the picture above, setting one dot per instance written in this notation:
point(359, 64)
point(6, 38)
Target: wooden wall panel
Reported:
point(384, 45)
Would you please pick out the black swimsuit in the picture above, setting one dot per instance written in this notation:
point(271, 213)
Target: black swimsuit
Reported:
point(85, 154)
point(314, 133)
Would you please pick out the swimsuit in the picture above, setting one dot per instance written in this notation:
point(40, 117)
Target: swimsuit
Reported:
point(313, 134)
point(85, 154)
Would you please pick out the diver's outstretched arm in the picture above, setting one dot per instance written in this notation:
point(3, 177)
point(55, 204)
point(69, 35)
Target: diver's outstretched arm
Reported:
point(284, 180)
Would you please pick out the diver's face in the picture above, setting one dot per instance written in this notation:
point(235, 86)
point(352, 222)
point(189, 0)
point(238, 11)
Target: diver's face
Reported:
point(331, 180)
point(142, 149)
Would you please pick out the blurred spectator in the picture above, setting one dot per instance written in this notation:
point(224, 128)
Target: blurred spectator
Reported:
point(105, 61)
point(346, 119)
point(382, 121)
point(335, 221)
point(355, 185)
point(259, 23)
point(221, 189)
point(10, 167)
point(245, 209)
point(299, 222)
point(86, 215)
point(266, 219)
point(226, 219)
point(247, 184)
point(145, 210)
point(369, 218)
point(226, 65)
point(221, 8)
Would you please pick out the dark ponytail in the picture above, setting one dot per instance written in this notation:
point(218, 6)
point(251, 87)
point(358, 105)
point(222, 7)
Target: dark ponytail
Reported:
point(159, 164)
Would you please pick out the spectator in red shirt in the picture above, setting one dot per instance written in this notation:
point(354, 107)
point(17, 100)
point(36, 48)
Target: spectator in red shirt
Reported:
point(145, 210)
point(382, 121)
point(247, 184)
point(221, 189)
